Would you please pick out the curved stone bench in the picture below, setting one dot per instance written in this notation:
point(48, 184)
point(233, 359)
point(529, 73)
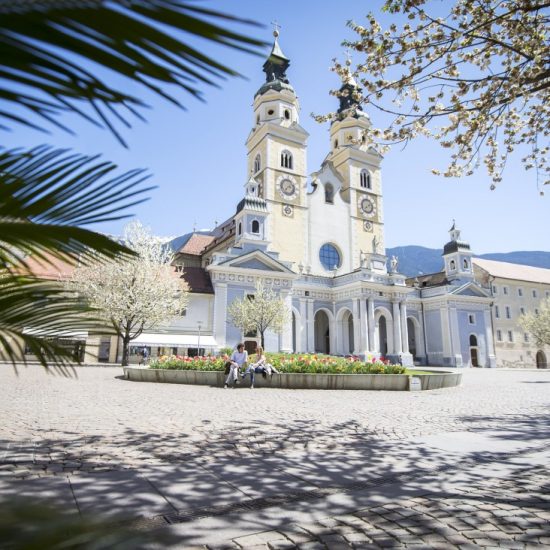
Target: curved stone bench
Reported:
point(388, 382)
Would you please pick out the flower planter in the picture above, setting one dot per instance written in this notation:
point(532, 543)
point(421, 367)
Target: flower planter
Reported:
point(387, 382)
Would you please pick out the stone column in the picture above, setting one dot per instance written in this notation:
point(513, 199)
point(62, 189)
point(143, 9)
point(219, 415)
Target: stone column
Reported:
point(396, 329)
point(220, 310)
point(491, 357)
point(371, 325)
point(356, 328)
point(456, 352)
point(364, 327)
point(404, 328)
point(302, 341)
point(407, 359)
point(310, 328)
point(286, 343)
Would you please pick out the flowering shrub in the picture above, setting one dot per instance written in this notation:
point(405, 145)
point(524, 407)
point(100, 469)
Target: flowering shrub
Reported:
point(295, 363)
point(181, 362)
point(328, 364)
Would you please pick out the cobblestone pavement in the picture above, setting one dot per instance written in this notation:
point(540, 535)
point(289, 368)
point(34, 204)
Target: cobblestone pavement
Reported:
point(320, 447)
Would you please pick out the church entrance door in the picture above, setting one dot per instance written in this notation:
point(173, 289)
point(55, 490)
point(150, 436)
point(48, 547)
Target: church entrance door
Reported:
point(322, 332)
point(383, 335)
point(541, 360)
point(474, 360)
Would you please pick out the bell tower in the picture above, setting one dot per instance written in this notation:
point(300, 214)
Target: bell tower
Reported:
point(457, 257)
point(359, 165)
point(276, 149)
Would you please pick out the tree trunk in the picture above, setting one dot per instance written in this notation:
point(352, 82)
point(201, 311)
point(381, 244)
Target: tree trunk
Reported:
point(126, 350)
point(262, 339)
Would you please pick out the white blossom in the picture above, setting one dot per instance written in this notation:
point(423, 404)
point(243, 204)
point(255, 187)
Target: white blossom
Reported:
point(265, 310)
point(134, 294)
point(538, 324)
point(480, 73)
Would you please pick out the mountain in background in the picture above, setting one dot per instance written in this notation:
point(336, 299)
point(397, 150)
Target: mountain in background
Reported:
point(416, 260)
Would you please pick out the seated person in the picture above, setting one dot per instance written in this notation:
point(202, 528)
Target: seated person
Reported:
point(260, 365)
point(238, 359)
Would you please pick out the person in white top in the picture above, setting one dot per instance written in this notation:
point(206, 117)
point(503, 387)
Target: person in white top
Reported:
point(238, 360)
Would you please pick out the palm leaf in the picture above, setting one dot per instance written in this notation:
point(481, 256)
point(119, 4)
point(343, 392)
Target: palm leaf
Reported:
point(47, 195)
point(46, 46)
point(33, 313)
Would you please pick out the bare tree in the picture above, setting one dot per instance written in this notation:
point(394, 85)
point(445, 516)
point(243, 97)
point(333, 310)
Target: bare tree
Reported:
point(134, 294)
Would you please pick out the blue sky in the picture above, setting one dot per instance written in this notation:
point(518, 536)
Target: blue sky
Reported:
point(198, 157)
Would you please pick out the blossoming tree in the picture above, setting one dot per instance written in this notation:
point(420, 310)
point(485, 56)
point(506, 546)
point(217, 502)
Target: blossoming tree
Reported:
point(134, 294)
point(265, 310)
point(538, 324)
point(476, 79)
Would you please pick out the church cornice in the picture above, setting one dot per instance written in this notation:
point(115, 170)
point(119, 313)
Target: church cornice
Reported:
point(350, 152)
point(294, 134)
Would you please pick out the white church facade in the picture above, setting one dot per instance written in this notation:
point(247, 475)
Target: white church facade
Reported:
point(318, 240)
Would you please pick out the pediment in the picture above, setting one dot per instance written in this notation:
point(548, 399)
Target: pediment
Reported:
point(471, 289)
point(259, 260)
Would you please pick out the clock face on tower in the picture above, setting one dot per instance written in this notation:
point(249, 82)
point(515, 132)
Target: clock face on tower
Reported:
point(288, 188)
point(367, 206)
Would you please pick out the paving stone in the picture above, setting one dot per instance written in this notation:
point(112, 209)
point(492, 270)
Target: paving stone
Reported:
point(357, 537)
point(315, 545)
point(175, 425)
point(280, 544)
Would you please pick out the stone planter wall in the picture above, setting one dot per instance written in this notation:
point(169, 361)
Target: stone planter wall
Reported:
point(388, 382)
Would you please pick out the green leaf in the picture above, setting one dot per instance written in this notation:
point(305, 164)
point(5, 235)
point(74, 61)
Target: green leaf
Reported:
point(34, 313)
point(47, 195)
point(49, 49)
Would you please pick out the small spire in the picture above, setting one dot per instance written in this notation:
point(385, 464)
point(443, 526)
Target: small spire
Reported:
point(454, 225)
point(348, 92)
point(277, 63)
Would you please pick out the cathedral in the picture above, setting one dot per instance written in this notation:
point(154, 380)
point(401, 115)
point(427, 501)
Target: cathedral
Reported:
point(318, 241)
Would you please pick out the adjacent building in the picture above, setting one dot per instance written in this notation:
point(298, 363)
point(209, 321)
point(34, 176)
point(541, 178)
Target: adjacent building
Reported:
point(515, 290)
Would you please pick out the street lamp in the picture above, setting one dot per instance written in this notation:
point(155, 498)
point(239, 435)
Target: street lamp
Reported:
point(199, 324)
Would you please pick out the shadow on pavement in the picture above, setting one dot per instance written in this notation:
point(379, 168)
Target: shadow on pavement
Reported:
point(269, 480)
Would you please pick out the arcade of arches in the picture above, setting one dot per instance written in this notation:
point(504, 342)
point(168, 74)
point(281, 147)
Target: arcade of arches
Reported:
point(389, 332)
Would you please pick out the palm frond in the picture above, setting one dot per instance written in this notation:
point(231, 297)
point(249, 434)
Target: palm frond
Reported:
point(34, 314)
point(46, 46)
point(47, 195)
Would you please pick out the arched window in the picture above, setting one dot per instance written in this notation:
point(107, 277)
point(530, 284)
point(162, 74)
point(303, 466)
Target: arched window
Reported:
point(287, 114)
point(473, 340)
point(286, 159)
point(452, 265)
point(365, 179)
point(329, 193)
point(240, 228)
point(255, 226)
point(257, 163)
point(465, 263)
